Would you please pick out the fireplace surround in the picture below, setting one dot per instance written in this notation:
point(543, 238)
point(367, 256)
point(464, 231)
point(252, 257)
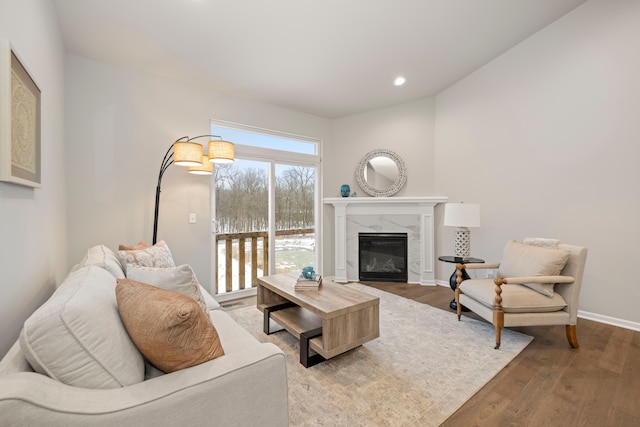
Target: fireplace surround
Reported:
point(411, 215)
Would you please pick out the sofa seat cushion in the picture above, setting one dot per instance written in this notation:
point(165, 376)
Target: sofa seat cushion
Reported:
point(515, 298)
point(169, 328)
point(233, 338)
point(77, 336)
point(525, 260)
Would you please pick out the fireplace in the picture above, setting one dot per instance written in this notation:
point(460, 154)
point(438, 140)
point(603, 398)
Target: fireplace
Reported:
point(383, 257)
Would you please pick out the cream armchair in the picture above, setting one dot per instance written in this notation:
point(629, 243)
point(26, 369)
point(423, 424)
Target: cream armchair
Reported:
point(535, 286)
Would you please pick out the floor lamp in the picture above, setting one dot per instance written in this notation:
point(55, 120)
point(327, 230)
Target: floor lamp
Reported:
point(184, 152)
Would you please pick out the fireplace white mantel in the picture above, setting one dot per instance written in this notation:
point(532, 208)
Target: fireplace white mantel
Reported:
point(412, 215)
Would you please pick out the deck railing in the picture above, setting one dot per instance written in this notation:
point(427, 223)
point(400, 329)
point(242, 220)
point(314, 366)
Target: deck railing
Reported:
point(256, 260)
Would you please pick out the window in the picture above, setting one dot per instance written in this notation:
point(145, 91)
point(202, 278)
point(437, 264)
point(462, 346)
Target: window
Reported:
point(266, 206)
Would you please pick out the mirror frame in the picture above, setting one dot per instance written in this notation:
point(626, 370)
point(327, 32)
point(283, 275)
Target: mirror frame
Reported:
point(384, 192)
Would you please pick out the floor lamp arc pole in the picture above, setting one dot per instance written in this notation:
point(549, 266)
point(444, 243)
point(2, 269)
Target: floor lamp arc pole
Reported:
point(167, 161)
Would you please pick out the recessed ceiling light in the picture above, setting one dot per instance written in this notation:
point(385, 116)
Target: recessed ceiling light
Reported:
point(399, 81)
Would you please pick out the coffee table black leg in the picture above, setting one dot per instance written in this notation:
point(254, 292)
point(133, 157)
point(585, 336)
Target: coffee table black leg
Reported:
point(305, 359)
point(267, 315)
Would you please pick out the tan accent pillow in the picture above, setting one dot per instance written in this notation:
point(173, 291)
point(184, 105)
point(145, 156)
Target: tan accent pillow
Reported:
point(141, 245)
point(520, 260)
point(179, 279)
point(168, 328)
point(157, 255)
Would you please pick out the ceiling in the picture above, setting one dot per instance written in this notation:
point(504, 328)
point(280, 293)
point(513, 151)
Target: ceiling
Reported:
point(329, 58)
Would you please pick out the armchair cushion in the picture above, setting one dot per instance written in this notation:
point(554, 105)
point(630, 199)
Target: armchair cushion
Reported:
point(515, 298)
point(169, 329)
point(522, 260)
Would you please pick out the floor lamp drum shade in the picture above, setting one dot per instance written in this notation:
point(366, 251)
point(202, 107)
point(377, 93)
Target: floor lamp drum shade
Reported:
point(187, 154)
point(221, 151)
point(206, 168)
point(462, 216)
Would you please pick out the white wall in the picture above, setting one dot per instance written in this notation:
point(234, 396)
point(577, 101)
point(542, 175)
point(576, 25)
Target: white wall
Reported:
point(407, 129)
point(547, 139)
point(33, 236)
point(120, 123)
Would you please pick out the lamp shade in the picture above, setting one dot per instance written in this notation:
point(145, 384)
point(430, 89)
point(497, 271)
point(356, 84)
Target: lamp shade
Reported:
point(462, 215)
point(206, 168)
point(221, 151)
point(187, 154)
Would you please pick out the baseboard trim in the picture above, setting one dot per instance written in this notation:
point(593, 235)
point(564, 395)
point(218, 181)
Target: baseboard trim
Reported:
point(613, 321)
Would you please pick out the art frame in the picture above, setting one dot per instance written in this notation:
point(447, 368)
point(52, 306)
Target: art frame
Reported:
point(20, 121)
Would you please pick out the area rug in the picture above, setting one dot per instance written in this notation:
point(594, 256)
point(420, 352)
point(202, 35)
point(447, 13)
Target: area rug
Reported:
point(421, 369)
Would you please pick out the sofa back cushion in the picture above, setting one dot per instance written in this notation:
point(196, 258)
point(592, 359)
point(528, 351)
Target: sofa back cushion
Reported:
point(103, 257)
point(77, 336)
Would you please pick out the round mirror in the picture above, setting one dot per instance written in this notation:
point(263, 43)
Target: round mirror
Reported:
point(381, 173)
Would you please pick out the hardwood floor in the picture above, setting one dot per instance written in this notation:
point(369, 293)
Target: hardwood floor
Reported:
point(549, 383)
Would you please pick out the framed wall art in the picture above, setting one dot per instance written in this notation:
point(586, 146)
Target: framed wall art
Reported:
point(20, 161)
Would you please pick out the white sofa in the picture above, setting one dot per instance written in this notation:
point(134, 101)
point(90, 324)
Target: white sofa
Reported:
point(247, 386)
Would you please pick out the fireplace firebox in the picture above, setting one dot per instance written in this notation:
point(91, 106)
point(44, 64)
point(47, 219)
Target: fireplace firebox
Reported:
point(382, 257)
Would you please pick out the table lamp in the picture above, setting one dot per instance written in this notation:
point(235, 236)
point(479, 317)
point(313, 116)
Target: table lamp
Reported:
point(462, 216)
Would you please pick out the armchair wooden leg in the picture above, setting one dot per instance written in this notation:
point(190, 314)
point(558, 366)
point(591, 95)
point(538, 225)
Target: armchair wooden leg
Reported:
point(498, 331)
point(572, 337)
point(458, 305)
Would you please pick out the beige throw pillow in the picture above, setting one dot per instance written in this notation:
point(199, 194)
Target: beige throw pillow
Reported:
point(168, 328)
point(77, 336)
point(179, 279)
point(157, 255)
point(520, 260)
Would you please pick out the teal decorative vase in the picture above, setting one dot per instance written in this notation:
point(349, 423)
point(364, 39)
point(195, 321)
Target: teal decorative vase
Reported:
point(345, 190)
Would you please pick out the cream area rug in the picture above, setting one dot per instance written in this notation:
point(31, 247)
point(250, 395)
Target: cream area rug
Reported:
point(421, 369)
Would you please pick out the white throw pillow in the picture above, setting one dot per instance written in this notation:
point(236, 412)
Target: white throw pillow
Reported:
point(78, 338)
point(103, 257)
point(179, 279)
point(157, 255)
point(520, 260)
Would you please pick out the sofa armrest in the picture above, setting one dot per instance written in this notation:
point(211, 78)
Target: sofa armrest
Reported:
point(235, 389)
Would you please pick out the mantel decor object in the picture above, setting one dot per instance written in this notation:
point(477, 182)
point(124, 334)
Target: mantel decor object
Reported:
point(184, 152)
point(345, 190)
point(20, 151)
point(381, 173)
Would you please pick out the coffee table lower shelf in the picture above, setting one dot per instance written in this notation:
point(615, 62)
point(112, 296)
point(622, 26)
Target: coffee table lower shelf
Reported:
point(301, 323)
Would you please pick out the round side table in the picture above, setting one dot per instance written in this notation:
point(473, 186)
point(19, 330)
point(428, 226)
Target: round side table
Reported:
point(452, 280)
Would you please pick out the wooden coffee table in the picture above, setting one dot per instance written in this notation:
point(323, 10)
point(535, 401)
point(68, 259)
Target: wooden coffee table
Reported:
point(329, 321)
